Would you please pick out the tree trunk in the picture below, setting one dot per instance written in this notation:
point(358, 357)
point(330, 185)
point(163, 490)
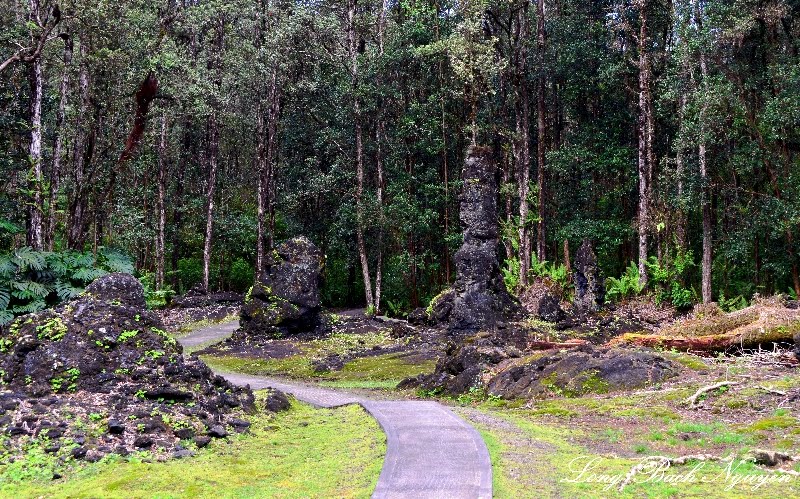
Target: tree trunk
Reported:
point(58, 146)
point(362, 248)
point(162, 217)
point(645, 136)
point(541, 132)
point(272, 154)
point(522, 155)
point(35, 209)
point(261, 172)
point(82, 153)
point(705, 201)
point(211, 158)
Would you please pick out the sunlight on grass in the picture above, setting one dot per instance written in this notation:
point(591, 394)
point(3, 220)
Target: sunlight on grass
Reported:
point(303, 452)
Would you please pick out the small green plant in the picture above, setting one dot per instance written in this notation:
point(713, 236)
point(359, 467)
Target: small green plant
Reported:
point(626, 286)
point(127, 335)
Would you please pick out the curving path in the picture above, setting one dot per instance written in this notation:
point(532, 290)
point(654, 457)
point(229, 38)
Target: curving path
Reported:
point(431, 452)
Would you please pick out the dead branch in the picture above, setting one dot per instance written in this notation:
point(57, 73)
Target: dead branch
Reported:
point(692, 401)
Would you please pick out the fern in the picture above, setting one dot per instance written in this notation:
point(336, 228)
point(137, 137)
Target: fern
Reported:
point(32, 280)
point(88, 274)
point(30, 307)
point(5, 297)
point(626, 286)
point(65, 290)
point(6, 316)
point(27, 258)
point(29, 289)
point(114, 261)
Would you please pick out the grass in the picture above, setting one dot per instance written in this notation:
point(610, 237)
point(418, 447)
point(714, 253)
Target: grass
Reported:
point(533, 458)
point(380, 371)
point(303, 452)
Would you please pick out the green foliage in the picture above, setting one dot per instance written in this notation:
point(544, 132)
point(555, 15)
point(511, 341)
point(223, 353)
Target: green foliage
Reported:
point(544, 269)
point(737, 302)
point(626, 286)
point(241, 275)
point(667, 279)
point(33, 280)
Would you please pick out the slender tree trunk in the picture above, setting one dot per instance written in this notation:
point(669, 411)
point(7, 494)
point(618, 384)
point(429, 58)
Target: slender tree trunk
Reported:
point(522, 155)
point(541, 132)
point(445, 172)
point(162, 217)
point(58, 146)
point(705, 201)
point(680, 171)
point(272, 154)
point(35, 209)
point(211, 158)
point(362, 247)
point(645, 136)
point(261, 171)
point(82, 151)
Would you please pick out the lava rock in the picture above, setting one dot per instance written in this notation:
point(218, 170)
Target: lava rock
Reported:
point(418, 317)
point(143, 442)
point(583, 370)
point(217, 431)
point(115, 427)
point(120, 288)
point(202, 441)
point(478, 298)
point(184, 433)
point(330, 363)
point(285, 300)
point(589, 284)
point(240, 425)
point(276, 401)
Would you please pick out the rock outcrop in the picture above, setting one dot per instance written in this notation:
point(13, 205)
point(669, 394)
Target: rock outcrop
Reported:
point(285, 299)
point(589, 286)
point(585, 369)
point(478, 299)
point(99, 375)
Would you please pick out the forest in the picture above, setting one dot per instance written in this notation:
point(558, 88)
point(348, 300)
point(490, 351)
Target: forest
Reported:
point(192, 135)
point(399, 248)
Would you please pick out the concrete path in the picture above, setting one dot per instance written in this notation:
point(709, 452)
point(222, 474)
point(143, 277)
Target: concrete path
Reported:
point(207, 336)
point(431, 452)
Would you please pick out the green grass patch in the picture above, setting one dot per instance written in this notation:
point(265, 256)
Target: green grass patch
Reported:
point(532, 460)
point(380, 371)
point(303, 452)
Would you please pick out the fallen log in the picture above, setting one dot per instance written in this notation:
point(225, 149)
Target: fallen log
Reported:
point(549, 345)
point(743, 329)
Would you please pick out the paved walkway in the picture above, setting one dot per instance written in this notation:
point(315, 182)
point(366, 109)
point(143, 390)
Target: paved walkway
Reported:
point(201, 338)
point(431, 452)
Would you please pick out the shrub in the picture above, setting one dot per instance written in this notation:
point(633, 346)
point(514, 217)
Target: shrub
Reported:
point(242, 275)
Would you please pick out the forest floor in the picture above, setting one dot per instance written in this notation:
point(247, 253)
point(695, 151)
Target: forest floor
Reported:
point(586, 446)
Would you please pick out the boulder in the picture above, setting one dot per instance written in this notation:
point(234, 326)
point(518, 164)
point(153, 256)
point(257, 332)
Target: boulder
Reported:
point(478, 298)
point(123, 289)
point(285, 299)
point(590, 290)
point(585, 369)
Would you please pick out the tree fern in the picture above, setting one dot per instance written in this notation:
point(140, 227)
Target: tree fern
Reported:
point(27, 258)
point(66, 290)
point(114, 261)
point(88, 274)
point(32, 280)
